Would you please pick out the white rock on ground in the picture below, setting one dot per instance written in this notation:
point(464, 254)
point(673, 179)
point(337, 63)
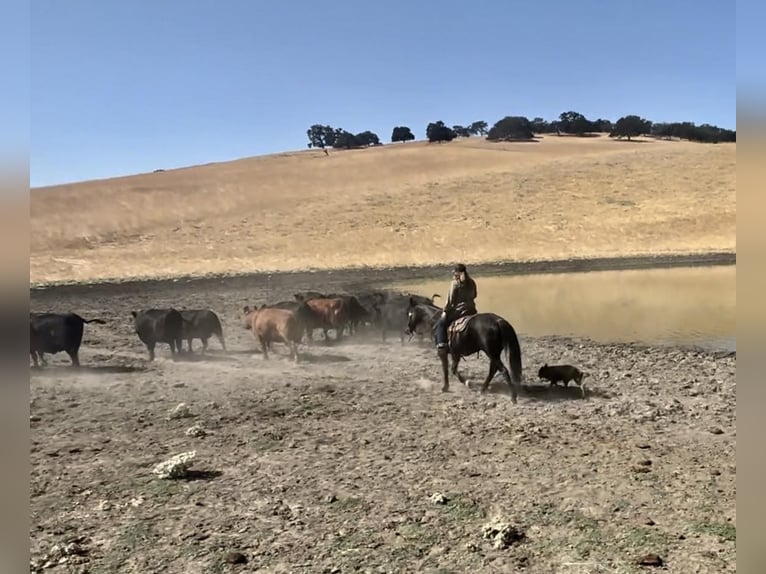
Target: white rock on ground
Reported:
point(175, 467)
point(439, 498)
point(181, 411)
point(196, 431)
point(502, 533)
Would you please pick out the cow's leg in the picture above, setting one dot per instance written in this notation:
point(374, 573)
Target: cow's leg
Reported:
point(189, 340)
point(264, 346)
point(75, 359)
point(204, 345)
point(150, 347)
point(34, 358)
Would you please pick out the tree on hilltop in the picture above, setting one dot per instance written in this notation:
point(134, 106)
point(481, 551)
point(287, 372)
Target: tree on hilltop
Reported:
point(511, 128)
point(321, 136)
point(602, 126)
point(402, 134)
point(438, 132)
point(367, 138)
point(631, 126)
point(478, 128)
point(461, 131)
point(574, 123)
point(540, 126)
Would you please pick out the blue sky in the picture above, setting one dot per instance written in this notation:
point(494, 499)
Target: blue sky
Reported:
point(126, 87)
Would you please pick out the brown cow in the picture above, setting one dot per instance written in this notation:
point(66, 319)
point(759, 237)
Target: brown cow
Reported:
point(269, 324)
point(323, 313)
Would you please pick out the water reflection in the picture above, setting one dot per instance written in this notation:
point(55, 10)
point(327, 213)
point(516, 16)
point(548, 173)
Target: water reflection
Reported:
point(687, 306)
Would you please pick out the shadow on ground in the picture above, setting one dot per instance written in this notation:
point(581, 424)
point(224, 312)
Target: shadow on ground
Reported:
point(58, 370)
point(194, 475)
point(325, 358)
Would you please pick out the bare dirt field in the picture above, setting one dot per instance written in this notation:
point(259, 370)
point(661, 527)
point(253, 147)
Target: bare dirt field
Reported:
point(398, 205)
point(354, 461)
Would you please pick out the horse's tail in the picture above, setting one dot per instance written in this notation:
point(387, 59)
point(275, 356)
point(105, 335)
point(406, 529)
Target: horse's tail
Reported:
point(512, 347)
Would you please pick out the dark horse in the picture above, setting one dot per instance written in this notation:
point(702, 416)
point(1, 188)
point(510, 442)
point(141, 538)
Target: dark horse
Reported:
point(483, 332)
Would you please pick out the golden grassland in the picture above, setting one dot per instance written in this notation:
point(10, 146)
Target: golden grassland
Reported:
point(395, 205)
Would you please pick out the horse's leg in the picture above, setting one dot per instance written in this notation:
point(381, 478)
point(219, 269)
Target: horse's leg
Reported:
point(455, 361)
point(493, 368)
point(445, 369)
point(507, 377)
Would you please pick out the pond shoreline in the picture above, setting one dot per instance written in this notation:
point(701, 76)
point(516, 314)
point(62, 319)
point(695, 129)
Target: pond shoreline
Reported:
point(366, 277)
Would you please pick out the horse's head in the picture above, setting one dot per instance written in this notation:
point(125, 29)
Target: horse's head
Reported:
point(416, 315)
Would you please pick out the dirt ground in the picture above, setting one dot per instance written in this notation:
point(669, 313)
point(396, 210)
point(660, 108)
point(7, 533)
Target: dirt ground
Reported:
point(336, 464)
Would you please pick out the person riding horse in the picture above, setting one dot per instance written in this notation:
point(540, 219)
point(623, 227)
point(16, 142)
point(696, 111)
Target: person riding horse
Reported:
point(460, 302)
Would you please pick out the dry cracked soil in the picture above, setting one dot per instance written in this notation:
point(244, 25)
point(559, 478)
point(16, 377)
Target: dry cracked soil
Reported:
point(354, 461)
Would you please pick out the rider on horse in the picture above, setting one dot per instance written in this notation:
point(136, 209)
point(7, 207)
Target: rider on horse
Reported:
point(460, 302)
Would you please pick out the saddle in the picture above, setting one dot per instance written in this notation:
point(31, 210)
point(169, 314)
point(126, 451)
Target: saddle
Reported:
point(458, 325)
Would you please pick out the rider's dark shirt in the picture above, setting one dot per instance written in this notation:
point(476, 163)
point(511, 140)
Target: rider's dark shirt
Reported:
point(460, 300)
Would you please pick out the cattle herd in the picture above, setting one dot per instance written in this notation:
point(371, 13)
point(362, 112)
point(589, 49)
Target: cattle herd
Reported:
point(288, 322)
point(291, 323)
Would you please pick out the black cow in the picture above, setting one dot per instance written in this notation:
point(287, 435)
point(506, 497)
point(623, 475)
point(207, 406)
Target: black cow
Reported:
point(201, 324)
point(391, 311)
point(357, 313)
point(159, 326)
point(56, 332)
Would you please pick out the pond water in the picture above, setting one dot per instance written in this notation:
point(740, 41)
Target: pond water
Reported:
point(680, 306)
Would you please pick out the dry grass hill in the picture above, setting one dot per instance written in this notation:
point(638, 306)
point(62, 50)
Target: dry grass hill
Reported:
point(403, 204)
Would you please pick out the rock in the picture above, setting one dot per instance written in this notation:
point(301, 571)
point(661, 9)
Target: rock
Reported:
point(181, 411)
point(330, 498)
point(233, 557)
point(650, 522)
point(645, 462)
point(640, 469)
point(196, 431)
point(439, 498)
point(502, 533)
point(175, 467)
point(715, 472)
point(716, 430)
point(650, 560)
point(643, 445)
